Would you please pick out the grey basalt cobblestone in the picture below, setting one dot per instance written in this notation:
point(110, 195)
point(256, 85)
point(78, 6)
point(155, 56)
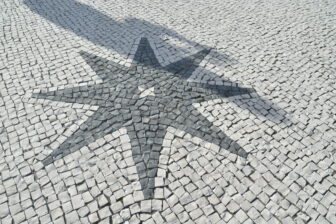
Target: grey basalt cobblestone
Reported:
point(146, 119)
point(167, 112)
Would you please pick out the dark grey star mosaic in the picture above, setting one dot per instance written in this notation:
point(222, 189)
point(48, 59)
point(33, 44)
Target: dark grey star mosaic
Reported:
point(145, 98)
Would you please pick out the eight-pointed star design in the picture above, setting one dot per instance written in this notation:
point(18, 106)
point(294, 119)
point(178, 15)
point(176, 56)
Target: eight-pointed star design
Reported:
point(145, 118)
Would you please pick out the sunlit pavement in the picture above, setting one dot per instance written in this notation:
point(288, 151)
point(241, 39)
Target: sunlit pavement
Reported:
point(167, 111)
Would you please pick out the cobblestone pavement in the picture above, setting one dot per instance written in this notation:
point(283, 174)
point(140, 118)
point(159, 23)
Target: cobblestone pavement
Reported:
point(152, 111)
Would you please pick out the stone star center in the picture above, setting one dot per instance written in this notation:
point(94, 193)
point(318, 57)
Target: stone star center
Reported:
point(146, 92)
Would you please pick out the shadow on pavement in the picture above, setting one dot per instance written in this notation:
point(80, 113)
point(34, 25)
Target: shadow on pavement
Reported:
point(102, 30)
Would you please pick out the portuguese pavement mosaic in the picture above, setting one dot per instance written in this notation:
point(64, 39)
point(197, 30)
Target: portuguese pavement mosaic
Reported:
point(167, 112)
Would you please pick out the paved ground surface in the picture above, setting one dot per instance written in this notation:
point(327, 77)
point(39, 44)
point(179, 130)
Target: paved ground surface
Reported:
point(176, 112)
